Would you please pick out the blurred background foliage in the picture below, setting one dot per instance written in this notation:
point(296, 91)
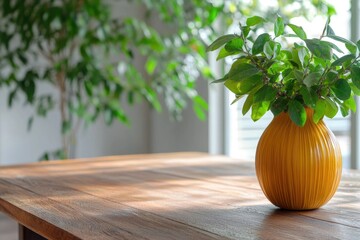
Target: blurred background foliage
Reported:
point(90, 58)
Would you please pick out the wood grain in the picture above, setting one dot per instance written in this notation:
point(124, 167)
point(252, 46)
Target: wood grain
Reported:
point(165, 196)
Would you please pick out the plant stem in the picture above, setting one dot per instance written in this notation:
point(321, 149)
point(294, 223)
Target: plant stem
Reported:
point(325, 27)
point(60, 79)
point(247, 52)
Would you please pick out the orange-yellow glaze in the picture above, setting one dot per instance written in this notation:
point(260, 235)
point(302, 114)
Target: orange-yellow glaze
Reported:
point(298, 168)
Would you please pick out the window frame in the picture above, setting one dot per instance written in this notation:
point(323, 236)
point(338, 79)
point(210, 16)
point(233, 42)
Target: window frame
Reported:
point(355, 117)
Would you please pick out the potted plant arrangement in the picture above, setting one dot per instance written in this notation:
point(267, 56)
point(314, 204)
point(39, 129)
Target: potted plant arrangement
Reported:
point(298, 160)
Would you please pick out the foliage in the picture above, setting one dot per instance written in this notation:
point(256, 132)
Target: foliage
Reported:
point(278, 74)
point(79, 50)
point(90, 58)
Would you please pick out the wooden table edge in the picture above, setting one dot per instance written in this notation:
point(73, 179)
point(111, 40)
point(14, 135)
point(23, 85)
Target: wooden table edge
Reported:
point(26, 227)
point(114, 158)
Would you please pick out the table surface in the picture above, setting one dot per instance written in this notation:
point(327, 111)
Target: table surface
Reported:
point(165, 196)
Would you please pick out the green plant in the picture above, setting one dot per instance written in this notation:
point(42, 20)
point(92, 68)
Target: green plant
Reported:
point(286, 76)
point(90, 61)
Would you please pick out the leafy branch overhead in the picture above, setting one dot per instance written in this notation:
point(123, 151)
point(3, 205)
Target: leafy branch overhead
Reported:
point(285, 76)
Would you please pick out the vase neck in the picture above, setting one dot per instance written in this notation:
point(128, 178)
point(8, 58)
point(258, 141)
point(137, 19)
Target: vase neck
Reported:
point(309, 117)
point(309, 112)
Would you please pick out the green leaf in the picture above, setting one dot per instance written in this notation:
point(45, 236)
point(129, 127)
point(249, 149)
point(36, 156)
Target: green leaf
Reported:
point(279, 106)
point(200, 107)
point(299, 75)
point(234, 45)
point(44, 157)
point(341, 39)
point(272, 49)
point(223, 79)
point(320, 110)
point(255, 20)
point(331, 77)
point(355, 76)
point(245, 30)
point(351, 104)
point(247, 104)
point(232, 86)
point(150, 65)
point(309, 96)
point(206, 71)
point(12, 97)
point(312, 79)
point(152, 98)
point(88, 88)
point(355, 90)
point(22, 58)
point(65, 127)
point(330, 10)
point(199, 113)
point(30, 123)
point(201, 102)
point(258, 110)
point(279, 26)
point(269, 49)
point(237, 99)
point(297, 113)
point(333, 46)
point(224, 53)
point(240, 70)
point(108, 116)
point(213, 13)
point(344, 109)
point(262, 100)
point(331, 108)
point(329, 31)
point(352, 48)
point(342, 89)
point(301, 54)
point(259, 43)
point(290, 35)
point(244, 86)
point(340, 61)
point(220, 42)
point(277, 68)
point(120, 115)
point(248, 84)
point(319, 48)
point(299, 31)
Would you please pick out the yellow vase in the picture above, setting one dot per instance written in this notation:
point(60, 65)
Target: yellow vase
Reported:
point(298, 168)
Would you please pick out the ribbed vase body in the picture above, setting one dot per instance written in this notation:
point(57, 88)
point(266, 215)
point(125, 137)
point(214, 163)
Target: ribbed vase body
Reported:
point(298, 168)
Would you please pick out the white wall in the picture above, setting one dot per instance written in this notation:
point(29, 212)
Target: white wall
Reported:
point(17, 145)
point(149, 132)
point(167, 135)
point(188, 135)
point(117, 139)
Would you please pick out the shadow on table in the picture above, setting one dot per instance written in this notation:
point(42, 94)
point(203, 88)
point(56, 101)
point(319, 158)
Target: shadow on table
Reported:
point(265, 221)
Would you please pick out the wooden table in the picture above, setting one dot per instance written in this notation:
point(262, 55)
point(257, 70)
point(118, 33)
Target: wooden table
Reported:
point(164, 196)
